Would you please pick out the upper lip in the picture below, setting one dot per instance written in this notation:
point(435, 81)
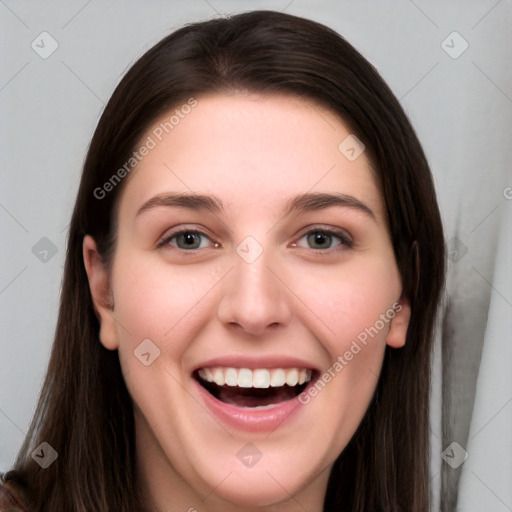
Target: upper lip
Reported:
point(253, 362)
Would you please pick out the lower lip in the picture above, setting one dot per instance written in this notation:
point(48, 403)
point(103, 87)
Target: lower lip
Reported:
point(249, 418)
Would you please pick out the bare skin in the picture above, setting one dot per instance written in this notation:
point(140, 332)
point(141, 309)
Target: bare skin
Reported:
point(308, 295)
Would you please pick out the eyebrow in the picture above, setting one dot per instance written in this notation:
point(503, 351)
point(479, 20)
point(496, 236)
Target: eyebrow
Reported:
point(302, 203)
point(196, 202)
point(319, 200)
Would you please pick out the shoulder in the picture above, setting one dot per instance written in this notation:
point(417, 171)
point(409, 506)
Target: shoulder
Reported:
point(10, 499)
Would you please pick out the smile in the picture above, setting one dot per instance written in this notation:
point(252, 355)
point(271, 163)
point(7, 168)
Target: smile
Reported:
point(260, 387)
point(258, 378)
point(253, 399)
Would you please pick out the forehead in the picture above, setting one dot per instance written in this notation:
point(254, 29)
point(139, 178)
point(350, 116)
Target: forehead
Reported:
point(254, 152)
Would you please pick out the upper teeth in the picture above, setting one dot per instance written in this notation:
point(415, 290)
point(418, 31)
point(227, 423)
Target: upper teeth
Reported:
point(257, 378)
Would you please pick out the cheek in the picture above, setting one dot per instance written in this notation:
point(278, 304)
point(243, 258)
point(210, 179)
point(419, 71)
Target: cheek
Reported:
point(160, 302)
point(349, 300)
point(352, 321)
point(354, 337)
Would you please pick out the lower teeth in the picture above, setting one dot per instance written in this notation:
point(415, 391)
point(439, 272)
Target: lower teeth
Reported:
point(253, 397)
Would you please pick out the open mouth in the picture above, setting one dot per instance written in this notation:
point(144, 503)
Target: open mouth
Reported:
point(261, 387)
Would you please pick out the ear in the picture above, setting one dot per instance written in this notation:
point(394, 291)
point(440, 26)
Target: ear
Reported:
point(397, 332)
point(99, 284)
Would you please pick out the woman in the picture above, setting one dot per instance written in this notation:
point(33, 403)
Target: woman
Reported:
point(254, 264)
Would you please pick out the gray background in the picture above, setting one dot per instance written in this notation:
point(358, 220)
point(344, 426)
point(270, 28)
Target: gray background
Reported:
point(460, 106)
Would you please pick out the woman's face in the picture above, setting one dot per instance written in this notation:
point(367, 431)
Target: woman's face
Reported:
point(254, 288)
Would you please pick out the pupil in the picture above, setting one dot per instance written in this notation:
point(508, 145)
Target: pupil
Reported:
point(189, 239)
point(321, 239)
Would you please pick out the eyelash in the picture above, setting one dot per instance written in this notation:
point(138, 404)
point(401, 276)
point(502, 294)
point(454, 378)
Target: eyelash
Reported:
point(345, 241)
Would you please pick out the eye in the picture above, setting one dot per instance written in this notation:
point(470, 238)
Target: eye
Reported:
point(188, 240)
point(319, 239)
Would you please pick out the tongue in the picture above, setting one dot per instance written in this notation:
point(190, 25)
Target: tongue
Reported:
point(253, 397)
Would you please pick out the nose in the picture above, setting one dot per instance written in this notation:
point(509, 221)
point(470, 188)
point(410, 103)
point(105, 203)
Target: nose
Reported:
point(255, 297)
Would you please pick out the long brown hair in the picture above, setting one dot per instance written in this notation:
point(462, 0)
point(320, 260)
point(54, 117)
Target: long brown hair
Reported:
point(85, 412)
